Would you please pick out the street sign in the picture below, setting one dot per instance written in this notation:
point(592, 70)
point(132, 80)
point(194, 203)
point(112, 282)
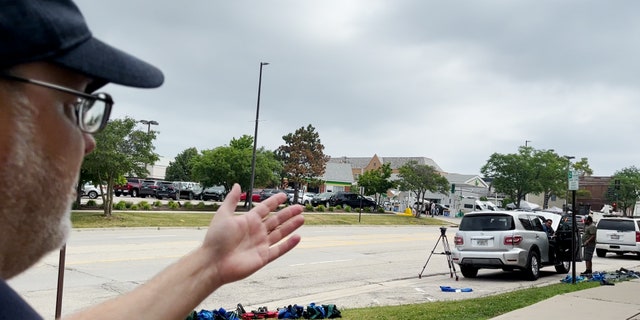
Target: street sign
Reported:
point(573, 179)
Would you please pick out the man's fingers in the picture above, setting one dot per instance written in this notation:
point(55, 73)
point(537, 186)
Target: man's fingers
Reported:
point(271, 204)
point(280, 249)
point(230, 201)
point(284, 223)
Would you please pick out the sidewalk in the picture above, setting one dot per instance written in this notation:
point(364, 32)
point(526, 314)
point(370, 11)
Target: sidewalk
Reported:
point(621, 301)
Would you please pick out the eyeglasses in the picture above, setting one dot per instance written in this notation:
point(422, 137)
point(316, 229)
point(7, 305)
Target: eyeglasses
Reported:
point(92, 110)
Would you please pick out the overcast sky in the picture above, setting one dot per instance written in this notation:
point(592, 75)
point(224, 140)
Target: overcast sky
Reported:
point(454, 81)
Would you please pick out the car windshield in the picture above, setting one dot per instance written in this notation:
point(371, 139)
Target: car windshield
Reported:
point(482, 222)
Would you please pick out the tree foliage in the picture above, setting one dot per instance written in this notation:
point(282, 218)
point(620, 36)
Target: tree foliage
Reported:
point(120, 150)
point(419, 179)
point(627, 189)
point(231, 164)
point(180, 168)
point(531, 171)
point(303, 156)
point(376, 182)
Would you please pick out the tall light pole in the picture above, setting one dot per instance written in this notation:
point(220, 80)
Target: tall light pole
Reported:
point(566, 196)
point(255, 140)
point(149, 123)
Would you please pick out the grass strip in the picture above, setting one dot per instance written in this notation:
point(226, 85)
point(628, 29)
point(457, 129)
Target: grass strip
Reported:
point(468, 309)
point(131, 219)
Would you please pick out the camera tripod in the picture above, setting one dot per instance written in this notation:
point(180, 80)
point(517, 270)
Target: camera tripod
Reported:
point(447, 252)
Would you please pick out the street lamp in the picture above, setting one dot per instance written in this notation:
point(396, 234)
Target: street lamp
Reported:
point(255, 140)
point(149, 123)
point(566, 196)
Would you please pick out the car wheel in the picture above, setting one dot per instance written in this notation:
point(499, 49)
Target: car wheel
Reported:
point(469, 271)
point(159, 197)
point(134, 193)
point(601, 253)
point(93, 194)
point(532, 271)
point(117, 193)
point(564, 267)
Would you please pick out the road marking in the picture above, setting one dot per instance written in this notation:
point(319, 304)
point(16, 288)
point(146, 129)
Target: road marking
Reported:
point(147, 237)
point(318, 262)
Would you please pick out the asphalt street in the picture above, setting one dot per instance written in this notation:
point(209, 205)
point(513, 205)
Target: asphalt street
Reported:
point(350, 266)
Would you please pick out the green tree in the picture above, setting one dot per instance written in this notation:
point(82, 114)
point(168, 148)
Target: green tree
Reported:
point(231, 164)
point(419, 179)
point(550, 172)
point(376, 182)
point(513, 174)
point(626, 189)
point(180, 168)
point(120, 150)
point(582, 167)
point(531, 171)
point(303, 157)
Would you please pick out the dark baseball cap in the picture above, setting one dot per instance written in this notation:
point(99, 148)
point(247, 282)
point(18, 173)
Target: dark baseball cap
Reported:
point(55, 31)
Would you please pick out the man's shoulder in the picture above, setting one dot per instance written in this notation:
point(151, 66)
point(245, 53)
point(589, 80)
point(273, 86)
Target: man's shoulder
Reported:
point(12, 306)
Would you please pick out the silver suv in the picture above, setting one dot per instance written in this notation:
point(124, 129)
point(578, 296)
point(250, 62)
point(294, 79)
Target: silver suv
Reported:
point(510, 240)
point(619, 235)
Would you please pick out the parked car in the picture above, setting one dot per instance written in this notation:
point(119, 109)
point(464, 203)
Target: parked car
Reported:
point(216, 193)
point(255, 197)
point(91, 191)
point(307, 197)
point(167, 189)
point(353, 200)
point(148, 188)
point(619, 235)
point(188, 190)
point(302, 196)
point(566, 218)
point(321, 199)
point(266, 193)
point(510, 240)
point(443, 210)
point(132, 188)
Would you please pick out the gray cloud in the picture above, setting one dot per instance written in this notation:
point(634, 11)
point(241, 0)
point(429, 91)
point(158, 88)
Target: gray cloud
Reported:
point(453, 81)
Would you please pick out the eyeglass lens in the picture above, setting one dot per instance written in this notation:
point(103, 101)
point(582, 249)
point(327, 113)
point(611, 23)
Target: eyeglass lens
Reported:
point(93, 114)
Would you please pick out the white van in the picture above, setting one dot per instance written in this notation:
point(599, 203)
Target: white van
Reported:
point(473, 204)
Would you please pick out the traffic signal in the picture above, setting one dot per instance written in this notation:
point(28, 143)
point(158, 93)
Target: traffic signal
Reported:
point(453, 188)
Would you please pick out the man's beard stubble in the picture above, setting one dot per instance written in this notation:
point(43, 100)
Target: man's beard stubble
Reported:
point(37, 199)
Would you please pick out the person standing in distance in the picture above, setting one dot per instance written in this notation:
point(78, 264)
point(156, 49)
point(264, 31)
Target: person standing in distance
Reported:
point(589, 244)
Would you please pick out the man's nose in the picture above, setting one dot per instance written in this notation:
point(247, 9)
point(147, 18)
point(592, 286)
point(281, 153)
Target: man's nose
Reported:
point(89, 143)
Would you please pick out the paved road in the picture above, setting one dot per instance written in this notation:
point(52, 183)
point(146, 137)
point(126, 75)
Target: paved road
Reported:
point(349, 266)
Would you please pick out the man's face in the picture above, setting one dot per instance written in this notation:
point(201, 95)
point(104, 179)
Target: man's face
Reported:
point(41, 150)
